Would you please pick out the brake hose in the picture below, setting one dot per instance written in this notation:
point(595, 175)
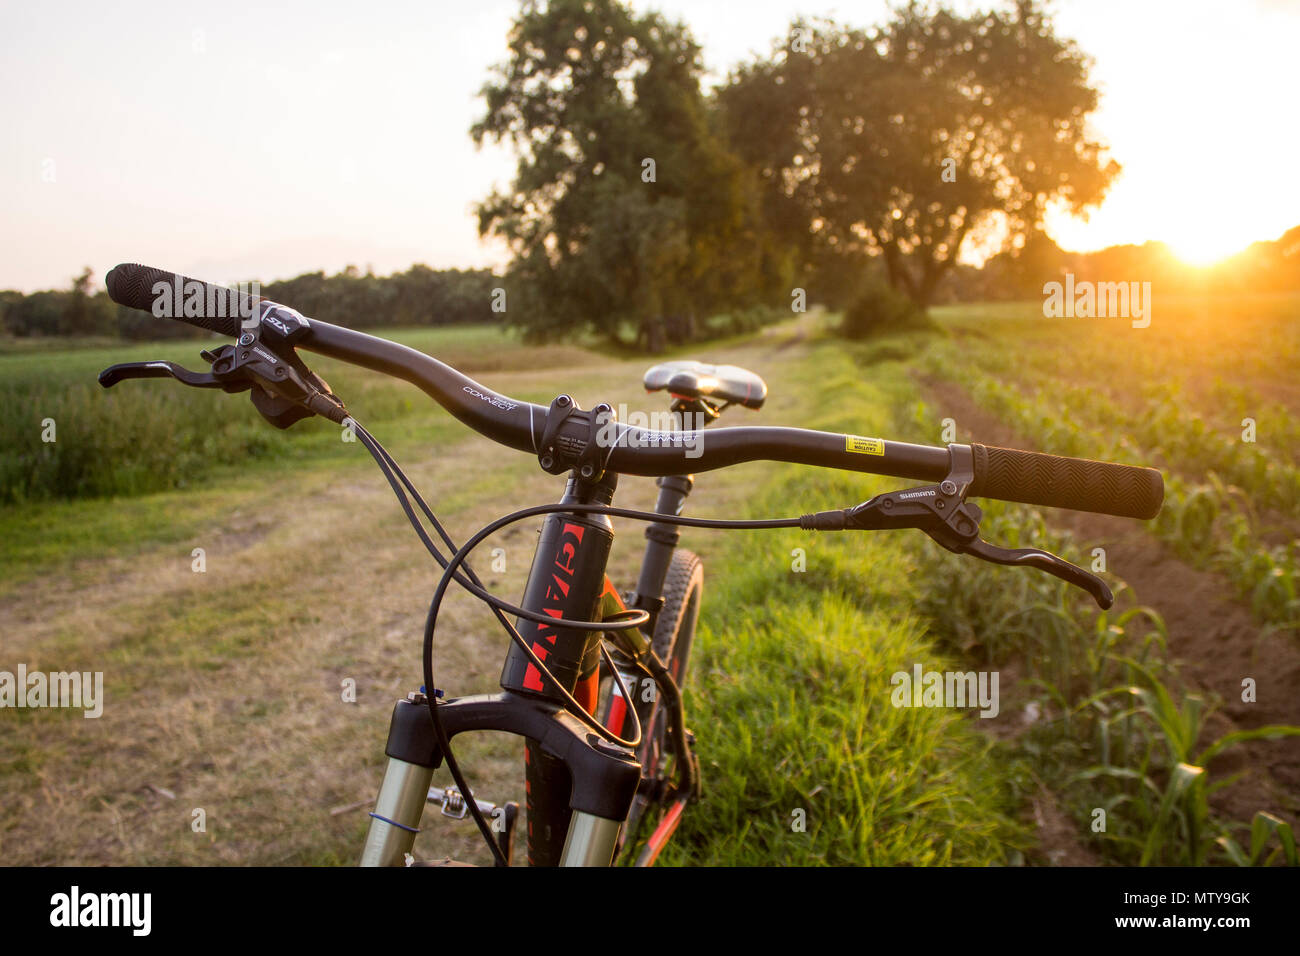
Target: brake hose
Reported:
point(470, 581)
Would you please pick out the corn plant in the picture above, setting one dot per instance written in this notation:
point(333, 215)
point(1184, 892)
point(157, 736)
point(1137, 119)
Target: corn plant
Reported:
point(1176, 814)
point(1210, 523)
point(1263, 826)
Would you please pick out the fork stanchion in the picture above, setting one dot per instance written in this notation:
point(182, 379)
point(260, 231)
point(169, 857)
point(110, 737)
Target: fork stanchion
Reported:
point(396, 818)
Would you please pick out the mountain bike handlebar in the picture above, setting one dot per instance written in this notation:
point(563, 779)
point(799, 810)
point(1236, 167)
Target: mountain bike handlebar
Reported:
point(1006, 474)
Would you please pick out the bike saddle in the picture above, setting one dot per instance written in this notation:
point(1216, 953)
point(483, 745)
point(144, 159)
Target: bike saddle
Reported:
point(727, 384)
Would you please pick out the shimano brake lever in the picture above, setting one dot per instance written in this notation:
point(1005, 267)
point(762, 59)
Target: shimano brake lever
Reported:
point(1046, 561)
point(942, 512)
point(287, 391)
point(223, 373)
point(160, 369)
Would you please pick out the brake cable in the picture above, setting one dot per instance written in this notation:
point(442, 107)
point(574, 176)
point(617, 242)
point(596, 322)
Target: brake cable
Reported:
point(393, 472)
point(571, 704)
point(471, 583)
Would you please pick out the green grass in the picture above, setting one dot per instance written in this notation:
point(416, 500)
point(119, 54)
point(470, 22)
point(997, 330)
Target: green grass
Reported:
point(154, 435)
point(1115, 727)
point(792, 676)
point(1230, 505)
point(806, 657)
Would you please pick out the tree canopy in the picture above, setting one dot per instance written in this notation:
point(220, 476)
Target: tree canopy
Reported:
point(903, 140)
point(627, 205)
point(895, 144)
point(852, 162)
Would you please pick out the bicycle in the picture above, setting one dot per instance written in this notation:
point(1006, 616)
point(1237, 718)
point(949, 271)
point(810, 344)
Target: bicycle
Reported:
point(602, 763)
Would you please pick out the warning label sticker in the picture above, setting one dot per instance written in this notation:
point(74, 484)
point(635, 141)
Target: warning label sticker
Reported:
point(864, 446)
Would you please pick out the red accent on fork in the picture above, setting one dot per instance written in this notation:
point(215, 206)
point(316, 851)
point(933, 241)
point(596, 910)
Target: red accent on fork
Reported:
point(617, 712)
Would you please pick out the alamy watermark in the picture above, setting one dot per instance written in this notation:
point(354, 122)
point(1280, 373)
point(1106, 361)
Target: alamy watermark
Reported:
point(84, 690)
point(129, 910)
point(1101, 300)
point(923, 688)
point(190, 298)
point(638, 429)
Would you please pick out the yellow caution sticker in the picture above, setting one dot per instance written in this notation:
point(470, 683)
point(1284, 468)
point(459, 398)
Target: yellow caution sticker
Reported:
point(864, 446)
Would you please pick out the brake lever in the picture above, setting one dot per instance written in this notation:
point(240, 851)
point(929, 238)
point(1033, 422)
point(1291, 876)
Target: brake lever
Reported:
point(160, 369)
point(942, 512)
point(1046, 561)
point(287, 390)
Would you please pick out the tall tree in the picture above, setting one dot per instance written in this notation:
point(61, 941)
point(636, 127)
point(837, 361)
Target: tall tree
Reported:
point(903, 141)
point(626, 205)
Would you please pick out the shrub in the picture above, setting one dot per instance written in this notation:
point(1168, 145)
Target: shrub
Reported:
point(879, 308)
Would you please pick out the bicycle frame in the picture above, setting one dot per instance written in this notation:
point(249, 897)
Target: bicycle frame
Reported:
point(579, 788)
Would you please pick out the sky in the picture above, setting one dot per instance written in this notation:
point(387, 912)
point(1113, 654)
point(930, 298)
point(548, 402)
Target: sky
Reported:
point(240, 139)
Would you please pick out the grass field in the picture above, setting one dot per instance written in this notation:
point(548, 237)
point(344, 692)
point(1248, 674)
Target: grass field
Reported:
point(223, 687)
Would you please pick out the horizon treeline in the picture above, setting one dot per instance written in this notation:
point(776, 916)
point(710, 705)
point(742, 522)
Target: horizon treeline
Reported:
point(420, 296)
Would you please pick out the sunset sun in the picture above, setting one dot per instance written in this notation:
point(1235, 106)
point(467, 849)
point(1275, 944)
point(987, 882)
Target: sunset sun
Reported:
point(1206, 248)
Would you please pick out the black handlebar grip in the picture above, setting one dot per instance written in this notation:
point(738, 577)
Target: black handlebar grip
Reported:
point(211, 307)
point(1034, 478)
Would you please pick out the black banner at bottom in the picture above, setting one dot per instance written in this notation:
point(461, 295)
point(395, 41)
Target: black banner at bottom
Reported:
point(369, 907)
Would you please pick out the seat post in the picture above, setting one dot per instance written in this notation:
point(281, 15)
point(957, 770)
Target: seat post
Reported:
point(662, 538)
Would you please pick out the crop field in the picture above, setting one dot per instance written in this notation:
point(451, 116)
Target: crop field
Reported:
point(1163, 731)
point(1209, 395)
point(1206, 393)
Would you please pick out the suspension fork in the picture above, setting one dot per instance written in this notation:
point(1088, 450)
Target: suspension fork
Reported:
point(396, 818)
point(604, 776)
point(567, 579)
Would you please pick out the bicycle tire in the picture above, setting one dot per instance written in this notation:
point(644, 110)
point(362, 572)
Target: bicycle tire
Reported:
point(675, 626)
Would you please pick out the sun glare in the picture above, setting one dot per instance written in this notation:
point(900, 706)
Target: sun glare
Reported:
point(1197, 236)
point(1204, 249)
point(1206, 158)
